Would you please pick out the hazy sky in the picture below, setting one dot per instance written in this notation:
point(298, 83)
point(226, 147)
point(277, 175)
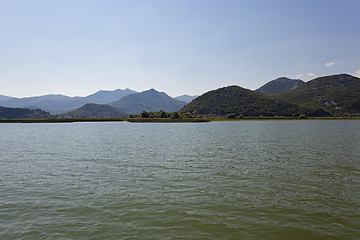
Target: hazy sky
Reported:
point(77, 47)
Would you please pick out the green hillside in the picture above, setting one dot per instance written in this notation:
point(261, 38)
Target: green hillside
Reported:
point(337, 94)
point(92, 110)
point(22, 113)
point(240, 101)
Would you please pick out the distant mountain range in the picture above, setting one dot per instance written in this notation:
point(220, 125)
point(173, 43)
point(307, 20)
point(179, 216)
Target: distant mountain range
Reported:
point(336, 95)
point(104, 97)
point(150, 101)
point(280, 85)
point(58, 104)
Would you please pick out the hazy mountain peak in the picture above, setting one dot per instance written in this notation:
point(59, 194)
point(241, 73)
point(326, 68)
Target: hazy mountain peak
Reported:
point(150, 100)
point(5, 98)
point(186, 98)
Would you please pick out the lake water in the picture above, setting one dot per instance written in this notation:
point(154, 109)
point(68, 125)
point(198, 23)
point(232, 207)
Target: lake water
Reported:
point(218, 180)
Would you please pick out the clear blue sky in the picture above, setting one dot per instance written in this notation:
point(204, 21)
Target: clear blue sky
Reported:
point(77, 47)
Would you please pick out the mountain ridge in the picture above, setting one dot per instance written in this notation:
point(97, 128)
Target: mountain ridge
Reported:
point(333, 95)
point(186, 98)
point(149, 100)
point(59, 104)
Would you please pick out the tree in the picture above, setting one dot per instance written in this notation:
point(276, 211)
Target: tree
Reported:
point(163, 114)
point(174, 115)
point(231, 116)
point(187, 115)
point(144, 114)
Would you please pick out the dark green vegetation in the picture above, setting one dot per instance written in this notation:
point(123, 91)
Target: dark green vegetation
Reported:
point(92, 110)
point(150, 101)
point(245, 103)
point(168, 120)
point(280, 85)
point(160, 114)
point(21, 113)
point(330, 96)
point(339, 95)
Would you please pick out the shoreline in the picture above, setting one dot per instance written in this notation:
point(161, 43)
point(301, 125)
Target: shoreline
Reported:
point(169, 120)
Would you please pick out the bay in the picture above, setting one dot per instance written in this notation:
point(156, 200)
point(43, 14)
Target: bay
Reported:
point(218, 180)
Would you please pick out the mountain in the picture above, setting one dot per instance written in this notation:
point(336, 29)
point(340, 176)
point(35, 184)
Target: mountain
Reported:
point(150, 101)
point(337, 94)
point(50, 103)
point(21, 113)
point(185, 98)
point(104, 97)
point(280, 85)
point(92, 110)
point(4, 98)
point(239, 101)
point(58, 104)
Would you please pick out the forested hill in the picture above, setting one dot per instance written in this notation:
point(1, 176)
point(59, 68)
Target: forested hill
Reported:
point(22, 113)
point(337, 94)
point(243, 102)
point(92, 110)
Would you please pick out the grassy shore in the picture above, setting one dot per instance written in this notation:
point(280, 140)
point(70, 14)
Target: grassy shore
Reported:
point(283, 118)
point(167, 120)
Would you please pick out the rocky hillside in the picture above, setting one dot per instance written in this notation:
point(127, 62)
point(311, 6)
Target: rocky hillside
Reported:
point(337, 94)
point(280, 85)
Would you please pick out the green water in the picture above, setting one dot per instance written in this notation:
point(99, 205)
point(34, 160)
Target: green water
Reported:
point(219, 180)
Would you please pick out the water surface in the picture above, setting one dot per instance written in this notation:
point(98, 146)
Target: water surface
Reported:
point(218, 180)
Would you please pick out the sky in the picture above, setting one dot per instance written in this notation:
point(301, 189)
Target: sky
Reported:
point(77, 47)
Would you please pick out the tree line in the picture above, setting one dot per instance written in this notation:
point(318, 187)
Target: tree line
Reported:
point(163, 114)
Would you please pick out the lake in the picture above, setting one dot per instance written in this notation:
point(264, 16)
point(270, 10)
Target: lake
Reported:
point(217, 180)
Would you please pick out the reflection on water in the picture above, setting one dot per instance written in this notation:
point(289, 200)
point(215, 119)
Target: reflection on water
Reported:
point(223, 180)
